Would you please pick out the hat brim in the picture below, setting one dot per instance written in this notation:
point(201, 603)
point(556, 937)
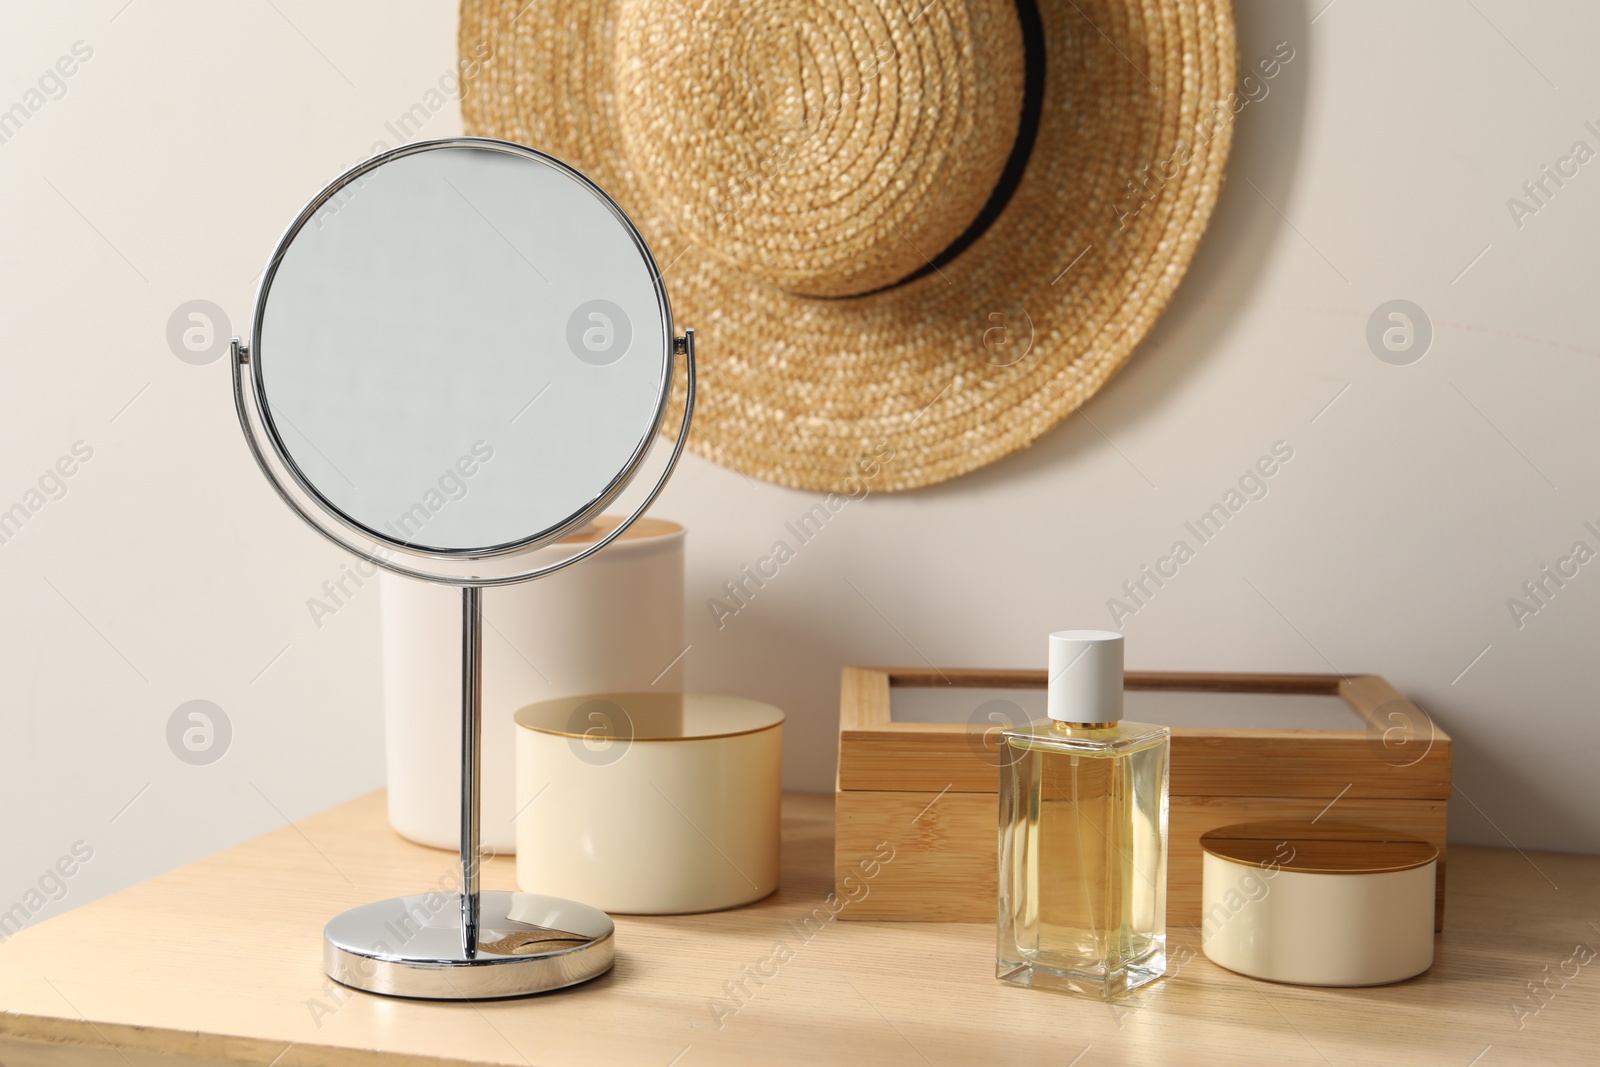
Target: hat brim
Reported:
point(914, 385)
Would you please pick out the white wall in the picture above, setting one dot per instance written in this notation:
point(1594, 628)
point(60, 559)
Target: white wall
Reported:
point(1377, 167)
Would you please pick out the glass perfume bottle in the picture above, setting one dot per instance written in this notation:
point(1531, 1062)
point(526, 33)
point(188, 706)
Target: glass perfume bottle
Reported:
point(1083, 833)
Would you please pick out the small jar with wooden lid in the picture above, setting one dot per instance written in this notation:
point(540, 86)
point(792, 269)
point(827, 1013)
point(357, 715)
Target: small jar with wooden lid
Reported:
point(1318, 903)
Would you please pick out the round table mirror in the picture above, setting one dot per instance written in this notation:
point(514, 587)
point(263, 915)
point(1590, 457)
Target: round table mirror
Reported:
point(462, 351)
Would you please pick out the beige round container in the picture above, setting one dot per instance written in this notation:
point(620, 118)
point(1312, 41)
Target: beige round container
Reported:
point(1324, 904)
point(649, 803)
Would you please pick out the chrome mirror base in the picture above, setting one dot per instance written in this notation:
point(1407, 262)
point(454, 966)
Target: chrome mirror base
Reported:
point(414, 947)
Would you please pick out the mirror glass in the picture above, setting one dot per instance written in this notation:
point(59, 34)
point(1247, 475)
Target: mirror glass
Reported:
point(463, 349)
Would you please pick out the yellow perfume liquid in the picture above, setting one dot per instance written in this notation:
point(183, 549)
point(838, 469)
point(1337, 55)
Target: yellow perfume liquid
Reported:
point(1083, 851)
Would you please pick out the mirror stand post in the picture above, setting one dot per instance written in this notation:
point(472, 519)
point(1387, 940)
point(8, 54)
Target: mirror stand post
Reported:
point(470, 945)
point(471, 762)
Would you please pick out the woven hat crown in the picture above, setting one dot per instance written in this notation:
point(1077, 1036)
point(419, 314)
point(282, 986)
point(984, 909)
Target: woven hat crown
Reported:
point(827, 147)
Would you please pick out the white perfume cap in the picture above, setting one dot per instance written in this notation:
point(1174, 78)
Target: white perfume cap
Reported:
point(1085, 676)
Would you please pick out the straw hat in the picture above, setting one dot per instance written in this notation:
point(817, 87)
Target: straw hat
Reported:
point(911, 235)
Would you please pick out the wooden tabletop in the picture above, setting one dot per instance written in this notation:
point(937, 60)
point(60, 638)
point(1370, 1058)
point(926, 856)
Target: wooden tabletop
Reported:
point(220, 962)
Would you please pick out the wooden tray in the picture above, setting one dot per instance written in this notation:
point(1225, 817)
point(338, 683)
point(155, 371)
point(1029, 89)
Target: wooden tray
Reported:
point(928, 789)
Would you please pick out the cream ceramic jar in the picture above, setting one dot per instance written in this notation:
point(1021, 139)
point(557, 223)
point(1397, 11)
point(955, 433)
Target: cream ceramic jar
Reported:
point(649, 803)
point(1323, 904)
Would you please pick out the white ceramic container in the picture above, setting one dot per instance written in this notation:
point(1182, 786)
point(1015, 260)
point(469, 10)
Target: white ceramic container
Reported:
point(1324, 904)
point(646, 803)
point(613, 622)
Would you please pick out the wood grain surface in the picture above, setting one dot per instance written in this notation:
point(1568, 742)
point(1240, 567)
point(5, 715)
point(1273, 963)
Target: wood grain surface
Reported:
point(219, 962)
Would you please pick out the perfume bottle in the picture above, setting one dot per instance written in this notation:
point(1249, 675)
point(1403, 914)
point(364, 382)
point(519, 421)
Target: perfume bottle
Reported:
point(1083, 833)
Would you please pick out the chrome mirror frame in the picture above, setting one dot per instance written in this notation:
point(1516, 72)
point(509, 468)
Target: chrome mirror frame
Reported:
point(449, 567)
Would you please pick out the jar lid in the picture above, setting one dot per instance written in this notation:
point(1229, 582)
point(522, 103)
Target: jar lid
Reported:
point(634, 717)
point(648, 526)
point(1318, 847)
